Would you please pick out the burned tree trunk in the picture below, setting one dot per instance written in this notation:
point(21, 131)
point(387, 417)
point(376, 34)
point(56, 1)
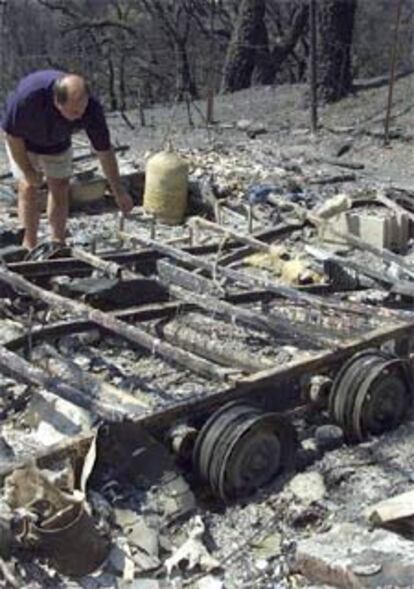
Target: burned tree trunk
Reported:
point(269, 62)
point(336, 24)
point(248, 36)
point(185, 82)
point(264, 66)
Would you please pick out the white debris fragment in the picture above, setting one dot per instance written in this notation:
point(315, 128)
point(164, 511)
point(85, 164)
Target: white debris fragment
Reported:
point(192, 552)
point(308, 487)
point(210, 582)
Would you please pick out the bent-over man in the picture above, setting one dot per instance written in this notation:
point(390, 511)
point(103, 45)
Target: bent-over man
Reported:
point(46, 107)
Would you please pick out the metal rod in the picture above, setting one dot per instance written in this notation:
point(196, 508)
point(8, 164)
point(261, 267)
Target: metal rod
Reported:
point(217, 212)
point(392, 75)
point(29, 338)
point(313, 66)
point(93, 245)
point(153, 228)
point(121, 222)
point(250, 217)
point(190, 235)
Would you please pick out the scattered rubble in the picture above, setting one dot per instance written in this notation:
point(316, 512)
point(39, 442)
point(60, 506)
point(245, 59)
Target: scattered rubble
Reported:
point(351, 556)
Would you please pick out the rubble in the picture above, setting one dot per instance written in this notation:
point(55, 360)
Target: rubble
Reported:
point(351, 556)
point(193, 552)
point(308, 487)
point(395, 513)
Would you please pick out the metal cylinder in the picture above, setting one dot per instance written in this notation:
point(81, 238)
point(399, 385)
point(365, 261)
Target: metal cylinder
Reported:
point(166, 187)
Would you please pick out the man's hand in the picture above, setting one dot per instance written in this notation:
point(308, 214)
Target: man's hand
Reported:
point(124, 201)
point(33, 178)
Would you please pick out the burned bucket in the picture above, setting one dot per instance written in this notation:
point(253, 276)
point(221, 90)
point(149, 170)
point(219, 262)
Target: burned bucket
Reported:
point(70, 541)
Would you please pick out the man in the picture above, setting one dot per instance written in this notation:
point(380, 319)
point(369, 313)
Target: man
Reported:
point(40, 117)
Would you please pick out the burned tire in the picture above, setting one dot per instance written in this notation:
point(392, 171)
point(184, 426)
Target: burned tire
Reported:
point(240, 449)
point(370, 394)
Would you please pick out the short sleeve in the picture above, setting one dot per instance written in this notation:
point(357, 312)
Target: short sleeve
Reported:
point(96, 127)
point(13, 120)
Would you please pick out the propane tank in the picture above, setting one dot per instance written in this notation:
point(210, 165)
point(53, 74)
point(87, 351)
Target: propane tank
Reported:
point(166, 187)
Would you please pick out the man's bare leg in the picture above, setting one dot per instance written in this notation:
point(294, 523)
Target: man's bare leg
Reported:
point(29, 212)
point(58, 207)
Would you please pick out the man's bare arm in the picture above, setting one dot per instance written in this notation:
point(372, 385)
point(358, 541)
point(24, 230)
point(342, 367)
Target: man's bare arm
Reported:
point(111, 171)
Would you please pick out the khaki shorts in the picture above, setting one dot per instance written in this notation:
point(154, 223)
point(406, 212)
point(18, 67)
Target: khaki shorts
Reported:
point(58, 165)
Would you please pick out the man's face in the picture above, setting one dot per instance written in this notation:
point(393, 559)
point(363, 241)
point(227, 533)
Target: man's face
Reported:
point(74, 107)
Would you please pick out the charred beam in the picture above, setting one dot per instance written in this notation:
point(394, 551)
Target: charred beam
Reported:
point(143, 260)
point(171, 273)
point(248, 240)
point(63, 328)
point(111, 269)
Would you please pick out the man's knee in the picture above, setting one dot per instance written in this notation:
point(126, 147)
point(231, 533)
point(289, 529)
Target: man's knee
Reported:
point(26, 191)
point(58, 187)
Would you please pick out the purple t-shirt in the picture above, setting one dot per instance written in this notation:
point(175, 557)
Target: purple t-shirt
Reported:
point(30, 113)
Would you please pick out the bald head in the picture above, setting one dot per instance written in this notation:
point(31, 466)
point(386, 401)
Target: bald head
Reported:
point(71, 95)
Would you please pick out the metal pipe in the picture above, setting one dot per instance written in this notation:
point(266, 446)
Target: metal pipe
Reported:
point(392, 75)
point(210, 74)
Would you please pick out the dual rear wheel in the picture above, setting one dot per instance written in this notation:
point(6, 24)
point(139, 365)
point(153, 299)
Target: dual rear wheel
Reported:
point(240, 448)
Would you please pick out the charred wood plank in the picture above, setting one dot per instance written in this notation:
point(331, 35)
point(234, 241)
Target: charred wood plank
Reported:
point(107, 294)
point(133, 334)
point(341, 163)
point(173, 274)
point(190, 339)
point(351, 177)
point(68, 371)
point(22, 370)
